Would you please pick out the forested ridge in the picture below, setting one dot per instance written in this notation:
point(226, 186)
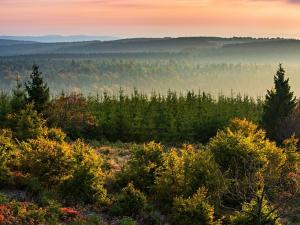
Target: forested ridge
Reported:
point(178, 158)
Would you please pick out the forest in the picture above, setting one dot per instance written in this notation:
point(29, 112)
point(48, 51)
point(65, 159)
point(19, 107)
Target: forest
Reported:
point(137, 158)
point(219, 66)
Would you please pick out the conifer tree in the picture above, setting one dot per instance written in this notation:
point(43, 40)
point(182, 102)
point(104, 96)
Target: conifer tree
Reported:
point(18, 100)
point(279, 103)
point(37, 90)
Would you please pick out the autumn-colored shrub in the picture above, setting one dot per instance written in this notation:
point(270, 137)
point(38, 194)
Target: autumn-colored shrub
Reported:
point(8, 156)
point(56, 134)
point(86, 181)
point(71, 113)
point(48, 160)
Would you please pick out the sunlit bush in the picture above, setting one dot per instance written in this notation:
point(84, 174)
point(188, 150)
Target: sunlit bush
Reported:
point(246, 158)
point(194, 210)
point(48, 160)
point(7, 156)
point(87, 180)
point(256, 213)
point(184, 171)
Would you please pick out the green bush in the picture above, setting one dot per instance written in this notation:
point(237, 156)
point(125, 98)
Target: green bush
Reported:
point(8, 156)
point(49, 161)
point(27, 124)
point(184, 171)
point(142, 166)
point(56, 134)
point(246, 158)
point(192, 211)
point(252, 213)
point(86, 182)
point(130, 202)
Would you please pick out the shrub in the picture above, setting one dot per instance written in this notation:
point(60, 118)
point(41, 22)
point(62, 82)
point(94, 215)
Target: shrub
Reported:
point(195, 210)
point(252, 213)
point(247, 158)
point(86, 182)
point(142, 166)
point(27, 124)
point(56, 134)
point(7, 156)
point(49, 161)
point(184, 171)
point(130, 202)
point(71, 113)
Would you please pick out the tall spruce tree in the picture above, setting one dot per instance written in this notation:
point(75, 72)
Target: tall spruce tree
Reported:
point(278, 105)
point(37, 90)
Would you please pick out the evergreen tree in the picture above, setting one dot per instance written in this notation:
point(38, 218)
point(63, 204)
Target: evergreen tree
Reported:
point(18, 100)
point(278, 105)
point(37, 90)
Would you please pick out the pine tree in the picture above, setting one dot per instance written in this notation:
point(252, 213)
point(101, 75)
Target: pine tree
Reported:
point(18, 100)
point(278, 105)
point(37, 90)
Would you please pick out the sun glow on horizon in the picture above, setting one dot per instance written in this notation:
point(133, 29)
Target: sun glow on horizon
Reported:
point(151, 18)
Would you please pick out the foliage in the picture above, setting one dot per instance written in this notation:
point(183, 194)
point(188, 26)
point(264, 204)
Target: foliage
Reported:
point(7, 156)
point(87, 180)
point(194, 210)
point(247, 158)
point(49, 161)
point(71, 114)
point(130, 202)
point(256, 213)
point(142, 166)
point(37, 90)
point(278, 105)
point(170, 118)
point(5, 108)
point(27, 124)
point(127, 221)
point(56, 134)
point(18, 100)
point(184, 171)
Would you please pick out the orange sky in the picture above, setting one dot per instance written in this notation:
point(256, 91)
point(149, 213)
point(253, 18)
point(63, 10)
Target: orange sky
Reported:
point(132, 18)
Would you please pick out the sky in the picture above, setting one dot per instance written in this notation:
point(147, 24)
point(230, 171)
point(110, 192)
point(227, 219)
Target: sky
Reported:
point(151, 18)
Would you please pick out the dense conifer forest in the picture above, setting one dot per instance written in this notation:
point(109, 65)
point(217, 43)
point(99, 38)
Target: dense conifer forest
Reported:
point(136, 158)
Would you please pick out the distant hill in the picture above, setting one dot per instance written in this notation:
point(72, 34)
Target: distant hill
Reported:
point(209, 49)
point(6, 42)
point(59, 38)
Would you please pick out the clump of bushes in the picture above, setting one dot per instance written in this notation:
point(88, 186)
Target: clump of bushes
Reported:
point(75, 169)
